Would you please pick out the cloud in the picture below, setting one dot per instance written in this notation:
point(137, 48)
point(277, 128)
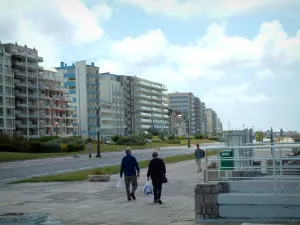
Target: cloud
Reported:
point(214, 55)
point(49, 24)
point(216, 9)
point(234, 94)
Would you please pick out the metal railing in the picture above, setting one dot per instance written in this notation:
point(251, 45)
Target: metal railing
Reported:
point(252, 167)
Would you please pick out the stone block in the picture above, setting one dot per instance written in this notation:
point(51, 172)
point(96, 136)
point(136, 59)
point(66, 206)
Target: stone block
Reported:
point(98, 178)
point(51, 223)
point(211, 198)
point(199, 198)
point(225, 187)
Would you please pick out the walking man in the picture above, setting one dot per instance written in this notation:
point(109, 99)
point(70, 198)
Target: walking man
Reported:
point(131, 170)
point(157, 172)
point(90, 147)
point(199, 154)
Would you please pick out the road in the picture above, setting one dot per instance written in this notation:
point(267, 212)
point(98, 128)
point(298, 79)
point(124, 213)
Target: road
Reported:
point(12, 171)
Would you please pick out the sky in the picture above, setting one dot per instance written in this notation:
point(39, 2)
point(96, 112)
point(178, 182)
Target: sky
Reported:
point(241, 57)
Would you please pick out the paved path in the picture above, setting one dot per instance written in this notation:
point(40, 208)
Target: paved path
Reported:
point(11, 171)
point(88, 203)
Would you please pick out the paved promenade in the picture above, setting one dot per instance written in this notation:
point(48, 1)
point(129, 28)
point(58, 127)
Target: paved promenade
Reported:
point(102, 203)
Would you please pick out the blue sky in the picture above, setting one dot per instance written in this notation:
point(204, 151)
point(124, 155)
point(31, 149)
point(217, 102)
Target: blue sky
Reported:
point(240, 57)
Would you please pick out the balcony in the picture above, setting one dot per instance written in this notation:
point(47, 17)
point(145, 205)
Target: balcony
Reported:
point(33, 126)
point(32, 75)
point(30, 105)
point(20, 74)
point(21, 105)
point(40, 59)
point(21, 95)
point(11, 83)
point(20, 84)
point(32, 115)
point(18, 53)
point(10, 115)
point(21, 125)
point(32, 86)
point(33, 96)
point(21, 114)
point(32, 65)
point(19, 64)
point(146, 121)
point(142, 96)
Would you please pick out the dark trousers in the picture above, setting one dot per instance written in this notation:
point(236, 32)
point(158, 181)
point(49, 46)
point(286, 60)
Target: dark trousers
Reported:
point(157, 188)
point(133, 181)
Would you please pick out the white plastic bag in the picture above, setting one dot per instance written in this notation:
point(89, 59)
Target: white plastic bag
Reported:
point(121, 184)
point(148, 188)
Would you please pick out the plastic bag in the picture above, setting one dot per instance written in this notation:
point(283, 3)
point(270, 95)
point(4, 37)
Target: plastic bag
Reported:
point(121, 184)
point(148, 188)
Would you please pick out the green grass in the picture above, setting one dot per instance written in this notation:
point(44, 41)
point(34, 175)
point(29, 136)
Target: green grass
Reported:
point(14, 156)
point(83, 174)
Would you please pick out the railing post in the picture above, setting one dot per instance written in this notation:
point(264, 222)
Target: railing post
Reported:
point(274, 162)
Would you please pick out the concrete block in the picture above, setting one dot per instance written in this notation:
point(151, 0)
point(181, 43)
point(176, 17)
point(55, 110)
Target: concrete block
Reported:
point(259, 211)
point(211, 198)
point(97, 178)
point(23, 218)
point(51, 223)
point(225, 187)
point(199, 198)
point(258, 199)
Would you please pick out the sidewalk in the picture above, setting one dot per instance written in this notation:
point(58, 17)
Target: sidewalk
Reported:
point(102, 203)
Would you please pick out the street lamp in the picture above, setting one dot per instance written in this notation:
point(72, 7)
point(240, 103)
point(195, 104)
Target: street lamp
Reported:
point(56, 124)
point(125, 130)
point(98, 131)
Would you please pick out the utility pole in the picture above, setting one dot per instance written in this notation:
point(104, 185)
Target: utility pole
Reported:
point(98, 132)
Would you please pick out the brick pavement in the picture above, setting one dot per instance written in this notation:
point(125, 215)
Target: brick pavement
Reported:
point(81, 203)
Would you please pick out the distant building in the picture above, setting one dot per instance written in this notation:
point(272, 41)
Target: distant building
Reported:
point(184, 103)
point(220, 128)
point(212, 121)
point(177, 124)
point(146, 105)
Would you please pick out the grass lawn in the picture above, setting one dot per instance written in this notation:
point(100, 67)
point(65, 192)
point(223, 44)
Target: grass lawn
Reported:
point(13, 156)
point(83, 174)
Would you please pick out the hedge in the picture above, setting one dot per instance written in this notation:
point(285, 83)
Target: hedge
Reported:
point(9, 148)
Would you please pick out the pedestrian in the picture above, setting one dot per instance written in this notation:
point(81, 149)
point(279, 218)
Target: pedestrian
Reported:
point(199, 154)
point(157, 172)
point(131, 170)
point(90, 147)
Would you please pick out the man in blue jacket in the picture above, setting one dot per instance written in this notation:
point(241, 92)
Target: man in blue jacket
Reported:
point(131, 170)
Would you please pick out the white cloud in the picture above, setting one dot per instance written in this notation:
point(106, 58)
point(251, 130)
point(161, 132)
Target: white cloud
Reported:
point(265, 74)
point(234, 94)
point(49, 24)
point(188, 9)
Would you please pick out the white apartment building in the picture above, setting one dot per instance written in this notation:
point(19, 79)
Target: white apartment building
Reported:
point(212, 121)
point(29, 112)
point(58, 105)
point(184, 103)
point(146, 105)
point(7, 96)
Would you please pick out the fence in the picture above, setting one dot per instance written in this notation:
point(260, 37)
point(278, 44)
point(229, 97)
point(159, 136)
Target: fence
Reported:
point(272, 168)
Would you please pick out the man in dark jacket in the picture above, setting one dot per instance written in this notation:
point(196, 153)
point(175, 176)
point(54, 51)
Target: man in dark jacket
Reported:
point(157, 171)
point(129, 167)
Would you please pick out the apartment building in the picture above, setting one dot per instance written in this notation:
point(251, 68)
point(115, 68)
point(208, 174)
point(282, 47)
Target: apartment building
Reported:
point(7, 96)
point(177, 124)
point(184, 103)
point(112, 114)
point(58, 105)
point(146, 105)
point(220, 127)
point(212, 121)
point(83, 84)
point(204, 119)
point(29, 111)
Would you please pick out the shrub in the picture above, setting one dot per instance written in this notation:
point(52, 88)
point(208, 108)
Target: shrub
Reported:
point(64, 148)
point(182, 138)
point(198, 136)
point(9, 148)
point(171, 137)
point(46, 138)
point(75, 147)
point(43, 147)
point(157, 141)
point(174, 141)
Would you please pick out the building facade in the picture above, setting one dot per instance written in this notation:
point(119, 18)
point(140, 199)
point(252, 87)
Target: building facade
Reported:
point(29, 110)
point(184, 103)
point(177, 124)
point(146, 105)
point(83, 84)
point(7, 96)
point(58, 105)
point(112, 115)
point(204, 119)
point(220, 128)
point(212, 122)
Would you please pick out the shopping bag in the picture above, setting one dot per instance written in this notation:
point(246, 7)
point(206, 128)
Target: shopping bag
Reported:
point(148, 188)
point(121, 184)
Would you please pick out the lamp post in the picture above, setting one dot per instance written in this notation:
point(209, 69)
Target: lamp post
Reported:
point(98, 132)
point(125, 130)
point(189, 141)
point(56, 124)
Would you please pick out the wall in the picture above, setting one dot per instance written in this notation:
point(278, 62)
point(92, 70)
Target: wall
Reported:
point(81, 97)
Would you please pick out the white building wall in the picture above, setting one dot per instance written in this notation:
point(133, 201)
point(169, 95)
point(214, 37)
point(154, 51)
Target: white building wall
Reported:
point(81, 97)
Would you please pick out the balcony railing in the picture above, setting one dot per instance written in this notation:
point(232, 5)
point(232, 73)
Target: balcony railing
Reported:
point(20, 74)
